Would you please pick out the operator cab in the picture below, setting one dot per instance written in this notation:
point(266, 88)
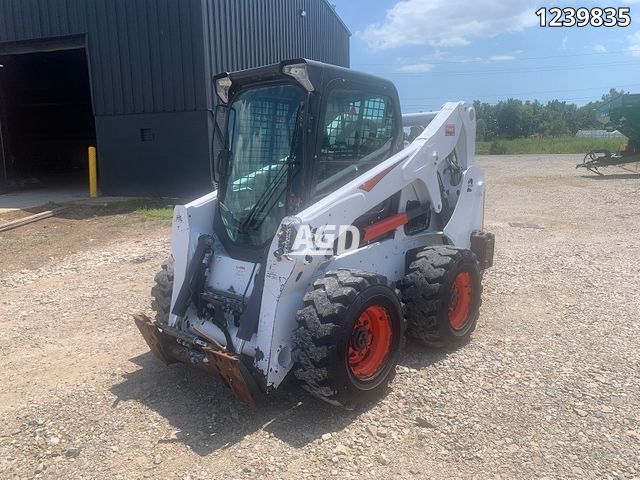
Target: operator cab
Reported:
point(287, 135)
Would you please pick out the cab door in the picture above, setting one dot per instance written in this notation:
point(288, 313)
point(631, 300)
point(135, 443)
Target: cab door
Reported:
point(357, 130)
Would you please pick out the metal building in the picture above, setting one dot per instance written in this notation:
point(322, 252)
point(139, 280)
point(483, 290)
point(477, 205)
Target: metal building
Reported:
point(134, 78)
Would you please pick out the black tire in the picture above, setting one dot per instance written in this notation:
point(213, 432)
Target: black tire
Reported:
point(428, 293)
point(325, 333)
point(161, 292)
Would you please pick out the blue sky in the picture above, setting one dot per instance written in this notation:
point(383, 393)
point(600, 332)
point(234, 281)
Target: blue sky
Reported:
point(448, 50)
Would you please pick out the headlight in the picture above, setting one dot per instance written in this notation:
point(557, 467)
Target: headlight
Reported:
point(300, 73)
point(222, 88)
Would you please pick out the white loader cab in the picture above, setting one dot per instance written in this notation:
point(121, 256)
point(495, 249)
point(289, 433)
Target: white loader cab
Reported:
point(327, 239)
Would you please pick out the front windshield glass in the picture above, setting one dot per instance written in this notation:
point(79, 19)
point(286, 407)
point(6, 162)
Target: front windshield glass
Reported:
point(261, 132)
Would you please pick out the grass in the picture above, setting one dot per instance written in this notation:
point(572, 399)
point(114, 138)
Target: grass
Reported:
point(144, 209)
point(129, 212)
point(164, 213)
point(547, 146)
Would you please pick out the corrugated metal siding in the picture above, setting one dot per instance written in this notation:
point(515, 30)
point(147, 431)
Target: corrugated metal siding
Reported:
point(146, 56)
point(250, 33)
point(151, 56)
point(30, 19)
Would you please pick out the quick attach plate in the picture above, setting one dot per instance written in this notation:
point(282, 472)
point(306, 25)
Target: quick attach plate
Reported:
point(229, 366)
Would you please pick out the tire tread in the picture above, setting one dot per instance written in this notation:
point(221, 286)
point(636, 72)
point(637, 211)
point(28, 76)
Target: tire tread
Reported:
point(161, 292)
point(320, 325)
point(421, 291)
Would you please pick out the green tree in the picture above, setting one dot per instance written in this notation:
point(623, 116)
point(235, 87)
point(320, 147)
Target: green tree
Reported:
point(558, 127)
point(516, 119)
point(586, 117)
point(613, 93)
point(510, 119)
point(481, 130)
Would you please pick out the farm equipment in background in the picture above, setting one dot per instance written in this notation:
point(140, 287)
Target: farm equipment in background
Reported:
point(261, 286)
point(622, 114)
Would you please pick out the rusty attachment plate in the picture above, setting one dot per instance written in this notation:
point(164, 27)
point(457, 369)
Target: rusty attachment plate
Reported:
point(229, 366)
point(159, 342)
point(234, 373)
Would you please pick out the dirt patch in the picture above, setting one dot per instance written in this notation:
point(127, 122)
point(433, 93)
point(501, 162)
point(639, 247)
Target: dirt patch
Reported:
point(11, 215)
point(78, 228)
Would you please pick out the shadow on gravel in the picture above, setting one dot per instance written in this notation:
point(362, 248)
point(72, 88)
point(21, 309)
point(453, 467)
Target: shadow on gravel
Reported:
point(207, 417)
point(618, 176)
point(418, 356)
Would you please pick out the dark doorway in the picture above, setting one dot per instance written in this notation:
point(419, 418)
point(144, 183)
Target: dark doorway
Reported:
point(47, 118)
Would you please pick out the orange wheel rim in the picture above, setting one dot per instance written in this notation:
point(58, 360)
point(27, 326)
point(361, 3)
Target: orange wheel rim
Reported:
point(460, 300)
point(370, 342)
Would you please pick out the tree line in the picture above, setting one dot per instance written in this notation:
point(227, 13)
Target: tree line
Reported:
point(514, 118)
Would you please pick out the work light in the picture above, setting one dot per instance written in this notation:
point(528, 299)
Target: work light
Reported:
point(300, 73)
point(223, 85)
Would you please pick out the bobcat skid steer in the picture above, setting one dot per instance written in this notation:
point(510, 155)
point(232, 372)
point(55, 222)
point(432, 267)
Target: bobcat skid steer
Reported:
point(328, 237)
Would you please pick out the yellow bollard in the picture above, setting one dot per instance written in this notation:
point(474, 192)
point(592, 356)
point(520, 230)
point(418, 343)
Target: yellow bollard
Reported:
point(93, 173)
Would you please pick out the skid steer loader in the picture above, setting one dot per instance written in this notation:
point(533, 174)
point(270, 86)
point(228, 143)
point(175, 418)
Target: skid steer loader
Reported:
point(327, 240)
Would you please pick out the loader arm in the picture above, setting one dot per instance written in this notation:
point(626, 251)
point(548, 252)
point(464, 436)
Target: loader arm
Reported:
point(453, 128)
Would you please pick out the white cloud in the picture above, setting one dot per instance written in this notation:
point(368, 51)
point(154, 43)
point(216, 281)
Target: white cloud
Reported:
point(416, 68)
point(502, 58)
point(427, 63)
point(448, 23)
point(634, 46)
point(599, 48)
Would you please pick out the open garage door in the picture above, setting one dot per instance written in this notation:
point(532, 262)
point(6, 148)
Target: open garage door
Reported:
point(47, 119)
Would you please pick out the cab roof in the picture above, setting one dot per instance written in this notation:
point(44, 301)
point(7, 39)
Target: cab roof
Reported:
point(320, 74)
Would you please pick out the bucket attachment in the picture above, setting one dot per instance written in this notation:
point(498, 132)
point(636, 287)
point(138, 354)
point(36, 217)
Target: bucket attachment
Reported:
point(227, 365)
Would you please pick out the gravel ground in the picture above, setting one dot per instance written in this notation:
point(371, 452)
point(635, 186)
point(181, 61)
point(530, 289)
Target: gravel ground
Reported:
point(548, 386)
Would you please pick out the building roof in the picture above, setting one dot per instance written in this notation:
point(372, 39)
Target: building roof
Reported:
point(599, 133)
point(333, 7)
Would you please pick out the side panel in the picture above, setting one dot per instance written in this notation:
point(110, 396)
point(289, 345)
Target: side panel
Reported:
point(154, 154)
point(469, 212)
point(189, 222)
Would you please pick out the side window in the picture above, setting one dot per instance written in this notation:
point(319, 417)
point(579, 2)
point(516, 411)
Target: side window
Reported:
point(357, 134)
